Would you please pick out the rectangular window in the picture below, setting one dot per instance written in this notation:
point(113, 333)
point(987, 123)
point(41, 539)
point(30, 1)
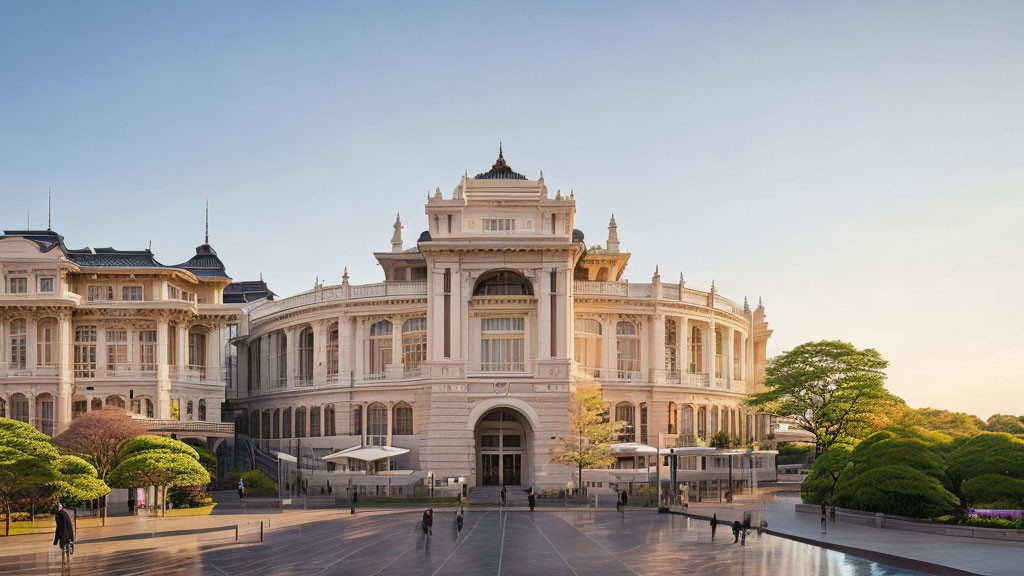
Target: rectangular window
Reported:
point(17, 285)
point(147, 350)
point(117, 349)
point(85, 352)
point(99, 293)
point(133, 293)
point(172, 292)
point(489, 441)
point(46, 284)
point(501, 346)
point(511, 441)
point(499, 225)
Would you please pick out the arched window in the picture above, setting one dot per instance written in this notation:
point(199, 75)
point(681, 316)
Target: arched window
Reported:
point(702, 422)
point(624, 413)
point(378, 348)
point(501, 345)
point(332, 349)
point(718, 352)
point(627, 346)
point(314, 421)
point(329, 424)
point(46, 342)
point(402, 420)
point(306, 357)
point(197, 352)
point(414, 343)
point(286, 423)
point(503, 283)
point(115, 401)
point(714, 421)
point(673, 414)
point(202, 410)
point(275, 423)
point(18, 339)
point(117, 350)
point(85, 352)
point(671, 348)
point(357, 420)
point(254, 424)
point(300, 422)
point(188, 410)
point(97, 404)
point(149, 408)
point(19, 407)
point(377, 425)
point(587, 346)
point(696, 351)
point(265, 424)
point(3, 408)
point(686, 427)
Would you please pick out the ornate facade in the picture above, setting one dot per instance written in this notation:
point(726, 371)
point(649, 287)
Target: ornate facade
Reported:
point(87, 328)
point(467, 352)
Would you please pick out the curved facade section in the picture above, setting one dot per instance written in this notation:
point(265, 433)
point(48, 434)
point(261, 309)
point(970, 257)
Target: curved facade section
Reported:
point(466, 355)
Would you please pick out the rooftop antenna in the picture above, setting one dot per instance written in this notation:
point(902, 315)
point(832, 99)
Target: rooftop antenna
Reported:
point(207, 237)
point(150, 246)
point(49, 208)
point(28, 214)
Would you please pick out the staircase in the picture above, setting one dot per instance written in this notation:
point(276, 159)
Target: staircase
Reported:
point(491, 495)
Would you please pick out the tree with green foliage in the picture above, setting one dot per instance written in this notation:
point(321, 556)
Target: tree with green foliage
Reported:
point(830, 389)
point(1005, 423)
point(158, 461)
point(900, 490)
point(820, 485)
point(976, 458)
point(590, 433)
point(720, 439)
point(952, 423)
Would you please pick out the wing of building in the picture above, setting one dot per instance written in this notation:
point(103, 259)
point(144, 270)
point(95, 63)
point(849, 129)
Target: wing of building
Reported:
point(465, 354)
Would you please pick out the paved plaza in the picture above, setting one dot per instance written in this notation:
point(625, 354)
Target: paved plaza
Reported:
point(582, 542)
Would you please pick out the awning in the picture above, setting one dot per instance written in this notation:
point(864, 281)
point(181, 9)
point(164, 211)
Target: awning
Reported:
point(285, 457)
point(366, 453)
point(632, 448)
point(688, 451)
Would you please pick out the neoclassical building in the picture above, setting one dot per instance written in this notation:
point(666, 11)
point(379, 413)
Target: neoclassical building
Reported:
point(94, 327)
point(466, 353)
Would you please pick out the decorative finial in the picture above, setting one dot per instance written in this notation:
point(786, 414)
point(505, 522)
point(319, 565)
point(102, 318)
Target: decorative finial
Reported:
point(712, 286)
point(206, 239)
point(261, 276)
point(150, 247)
point(746, 305)
point(49, 208)
point(541, 179)
point(500, 163)
point(613, 235)
point(759, 303)
point(396, 238)
point(344, 276)
point(682, 282)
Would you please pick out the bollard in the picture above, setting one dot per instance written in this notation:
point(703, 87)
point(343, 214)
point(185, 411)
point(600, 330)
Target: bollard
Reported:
point(236, 532)
point(595, 500)
point(261, 531)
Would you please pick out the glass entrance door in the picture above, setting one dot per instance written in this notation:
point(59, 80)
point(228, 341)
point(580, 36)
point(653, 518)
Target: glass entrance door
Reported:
point(511, 468)
point(490, 467)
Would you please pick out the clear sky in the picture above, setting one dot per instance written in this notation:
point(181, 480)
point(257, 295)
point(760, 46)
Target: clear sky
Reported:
point(856, 164)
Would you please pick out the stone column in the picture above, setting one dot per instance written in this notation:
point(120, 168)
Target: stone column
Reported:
point(163, 380)
point(711, 351)
point(181, 347)
point(743, 358)
point(684, 348)
point(362, 413)
point(65, 373)
point(727, 340)
point(101, 349)
point(357, 350)
point(32, 410)
point(291, 356)
point(657, 355)
point(543, 326)
point(391, 409)
point(608, 361)
point(396, 372)
point(320, 351)
point(346, 338)
point(31, 332)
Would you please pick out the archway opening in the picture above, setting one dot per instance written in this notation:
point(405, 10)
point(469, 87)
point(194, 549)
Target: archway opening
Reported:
point(502, 437)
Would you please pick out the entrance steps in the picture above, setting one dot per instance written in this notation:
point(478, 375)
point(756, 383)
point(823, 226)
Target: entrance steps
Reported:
point(491, 495)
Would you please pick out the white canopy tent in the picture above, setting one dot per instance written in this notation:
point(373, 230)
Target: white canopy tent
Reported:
point(366, 453)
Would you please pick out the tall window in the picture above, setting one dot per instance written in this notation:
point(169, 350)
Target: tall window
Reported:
point(85, 352)
point(673, 413)
point(379, 347)
point(357, 420)
point(643, 422)
point(265, 424)
point(501, 346)
point(627, 346)
point(202, 410)
point(737, 366)
point(147, 350)
point(587, 345)
point(696, 351)
point(275, 423)
point(117, 350)
point(286, 427)
point(624, 413)
point(332, 349)
point(189, 410)
point(46, 342)
point(329, 424)
point(254, 364)
point(687, 420)
point(671, 347)
point(280, 361)
point(197, 352)
point(414, 342)
point(402, 420)
point(46, 414)
point(306, 357)
point(377, 425)
point(314, 421)
point(18, 339)
point(300, 422)
point(718, 352)
point(19, 407)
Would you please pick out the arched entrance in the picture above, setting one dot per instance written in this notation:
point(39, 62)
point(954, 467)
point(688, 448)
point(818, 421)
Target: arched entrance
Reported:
point(502, 437)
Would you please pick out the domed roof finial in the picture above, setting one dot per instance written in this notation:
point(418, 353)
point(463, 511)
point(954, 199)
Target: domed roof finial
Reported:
point(396, 238)
point(500, 162)
point(613, 236)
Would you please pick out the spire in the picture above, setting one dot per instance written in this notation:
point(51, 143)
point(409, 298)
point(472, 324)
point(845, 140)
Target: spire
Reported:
point(396, 238)
point(49, 209)
point(344, 276)
point(657, 274)
point(206, 238)
point(613, 236)
point(746, 305)
point(713, 286)
point(500, 162)
point(682, 282)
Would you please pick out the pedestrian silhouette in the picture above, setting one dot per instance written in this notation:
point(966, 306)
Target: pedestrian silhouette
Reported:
point(714, 525)
point(735, 531)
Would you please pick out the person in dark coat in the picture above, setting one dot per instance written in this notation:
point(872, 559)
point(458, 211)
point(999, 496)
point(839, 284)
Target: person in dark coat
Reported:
point(625, 498)
point(714, 525)
point(736, 531)
point(532, 499)
point(458, 519)
point(355, 500)
point(504, 493)
point(64, 535)
point(428, 522)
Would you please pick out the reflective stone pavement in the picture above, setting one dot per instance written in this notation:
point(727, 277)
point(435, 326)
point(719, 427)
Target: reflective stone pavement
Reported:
point(492, 542)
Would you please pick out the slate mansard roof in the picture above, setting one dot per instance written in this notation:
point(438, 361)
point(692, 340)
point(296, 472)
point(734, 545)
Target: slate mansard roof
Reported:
point(250, 291)
point(205, 263)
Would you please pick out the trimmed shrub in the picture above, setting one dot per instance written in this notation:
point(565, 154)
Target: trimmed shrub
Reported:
point(256, 482)
point(899, 490)
point(994, 491)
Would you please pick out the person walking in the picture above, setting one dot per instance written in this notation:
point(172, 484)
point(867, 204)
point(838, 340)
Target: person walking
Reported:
point(531, 498)
point(735, 531)
point(832, 513)
point(355, 500)
point(428, 522)
point(504, 494)
point(625, 498)
point(64, 535)
point(241, 489)
point(458, 519)
point(714, 525)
